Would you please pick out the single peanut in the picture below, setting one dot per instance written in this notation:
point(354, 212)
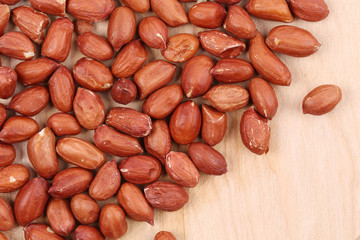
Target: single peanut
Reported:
point(85, 209)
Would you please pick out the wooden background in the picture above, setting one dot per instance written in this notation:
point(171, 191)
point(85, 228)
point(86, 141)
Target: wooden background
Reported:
point(306, 187)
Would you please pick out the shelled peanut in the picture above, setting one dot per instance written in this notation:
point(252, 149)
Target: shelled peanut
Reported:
point(168, 116)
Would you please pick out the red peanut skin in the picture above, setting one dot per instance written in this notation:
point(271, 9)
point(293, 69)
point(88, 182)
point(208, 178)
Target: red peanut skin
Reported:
point(207, 15)
point(63, 124)
point(62, 89)
point(133, 201)
point(60, 216)
point(124, 91)
point(129, 121)
point(42, 154)
point(140, 6)
point(30, 101)
point(85, 232)
point(89, 108)
point(31, 22)
point(185, 123)
point(52, 7)
point(153, 32)
point(17, 129)
point(8, 80)
point(181, 47)
point(232, 70)
point(31, 200)
point(2, 236)
point(21, 46)
point(13, 177)
point(7, 154)
point(322, 99)
point(70, 182)
point(40, 231)
point(181, 169)
point(266, 63)
point(91, 11)
point(57, 43)
point(166, 196)
point(7, 219)
point(94, 46)
point(140, 169)
point(122, 27)
point(35, 71)
point(153, 76)
point(4, 17)
point(214, 124)
point(112, 221)
point(106, 182)
point(130, 59)
point(80, 152)
point(158, 142)
point(274, 10)
point(163, 235)
point(207, 159)
point(93, 75)
point(263, 97)
point(221, 44)
point(239, 23)
point(313, 11)
point(255, 132)
point(170, 11)
point(293, 41)
point(196, 78)
point(3, 114)
point(229, 2)
point(111, 141)
point(163, 102)
point(9, 2)
point(85, 209)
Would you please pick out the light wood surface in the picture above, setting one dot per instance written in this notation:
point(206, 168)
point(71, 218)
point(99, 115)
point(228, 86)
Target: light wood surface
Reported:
point(306, 187)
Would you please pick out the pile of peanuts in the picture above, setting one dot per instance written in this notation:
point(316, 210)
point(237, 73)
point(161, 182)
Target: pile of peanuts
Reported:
point(69, 190)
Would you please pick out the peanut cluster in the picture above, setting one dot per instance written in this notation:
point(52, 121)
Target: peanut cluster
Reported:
point(169, 114)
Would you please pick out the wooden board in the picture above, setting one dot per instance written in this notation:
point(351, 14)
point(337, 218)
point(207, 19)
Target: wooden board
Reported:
point(307, 186)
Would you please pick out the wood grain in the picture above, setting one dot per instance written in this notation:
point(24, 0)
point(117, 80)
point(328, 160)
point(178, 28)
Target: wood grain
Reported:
point(307, 186)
